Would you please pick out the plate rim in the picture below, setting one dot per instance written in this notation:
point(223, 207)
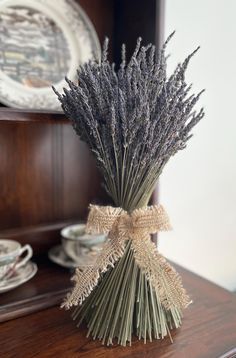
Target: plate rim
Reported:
point(54, 259)
point(22, 281)
point(74, 265)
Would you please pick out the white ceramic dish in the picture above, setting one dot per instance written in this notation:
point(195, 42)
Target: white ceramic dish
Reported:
point(42, 41)
point(10, 252)
point(22, 275)
point(57, 255)
point(77, 233)
point(74, 240)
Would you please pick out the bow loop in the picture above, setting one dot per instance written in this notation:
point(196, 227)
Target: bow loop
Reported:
point(151, 219)
point(102, 218)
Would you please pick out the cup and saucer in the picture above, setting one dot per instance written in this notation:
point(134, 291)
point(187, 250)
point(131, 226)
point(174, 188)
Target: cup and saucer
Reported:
point(15, 270)
point(77, 249)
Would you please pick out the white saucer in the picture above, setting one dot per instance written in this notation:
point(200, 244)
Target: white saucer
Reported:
point(57, 255)
point(22, 275)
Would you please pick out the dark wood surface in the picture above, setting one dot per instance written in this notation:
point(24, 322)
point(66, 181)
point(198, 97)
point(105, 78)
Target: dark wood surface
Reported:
point(47, 174)
point(137, 18)
point(48, 178)
point(100, 12)
point(47, 288)
point(41, 237)
point(208, 331)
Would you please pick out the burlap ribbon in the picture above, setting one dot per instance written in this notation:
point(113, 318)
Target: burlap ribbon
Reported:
point(137, 227)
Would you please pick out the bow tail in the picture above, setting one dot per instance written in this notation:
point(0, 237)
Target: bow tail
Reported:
point(85, 280)
point(163, 277)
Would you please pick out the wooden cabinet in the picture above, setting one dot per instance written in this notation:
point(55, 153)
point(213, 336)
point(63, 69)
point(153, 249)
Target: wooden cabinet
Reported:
point(47, 180)
point(47, 175)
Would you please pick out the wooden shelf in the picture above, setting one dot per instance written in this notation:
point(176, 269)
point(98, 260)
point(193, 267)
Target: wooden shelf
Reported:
point(8, 112)
point(47, 288)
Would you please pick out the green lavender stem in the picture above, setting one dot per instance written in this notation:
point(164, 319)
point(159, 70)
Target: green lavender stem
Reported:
point(133, 121)
point(124, 303)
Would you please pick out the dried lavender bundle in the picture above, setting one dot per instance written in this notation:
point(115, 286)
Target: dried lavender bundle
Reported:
point(133, 120)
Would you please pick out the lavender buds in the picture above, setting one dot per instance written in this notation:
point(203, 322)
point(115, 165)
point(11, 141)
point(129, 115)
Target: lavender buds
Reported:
point(133, 120)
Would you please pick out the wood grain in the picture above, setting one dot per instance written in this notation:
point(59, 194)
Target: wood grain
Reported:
point(208, 331)
point(47, 174)
point(100, 12)
point(41, 237)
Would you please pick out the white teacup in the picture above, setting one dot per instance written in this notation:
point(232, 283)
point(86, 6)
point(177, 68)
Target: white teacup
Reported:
point(74, 239)
point(10, 252)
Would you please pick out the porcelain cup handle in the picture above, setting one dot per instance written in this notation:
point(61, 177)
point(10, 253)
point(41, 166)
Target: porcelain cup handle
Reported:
point(28, 256)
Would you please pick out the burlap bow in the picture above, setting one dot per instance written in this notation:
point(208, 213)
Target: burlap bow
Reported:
point(137, 227)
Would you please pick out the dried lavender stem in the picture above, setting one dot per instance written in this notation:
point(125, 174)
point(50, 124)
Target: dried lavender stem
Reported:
point(133, 120)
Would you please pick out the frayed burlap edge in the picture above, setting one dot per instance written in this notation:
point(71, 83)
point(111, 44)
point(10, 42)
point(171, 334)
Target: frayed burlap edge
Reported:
point(137, 227)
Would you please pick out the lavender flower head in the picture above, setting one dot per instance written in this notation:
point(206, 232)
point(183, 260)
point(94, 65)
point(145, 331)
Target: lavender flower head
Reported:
point(133, 119)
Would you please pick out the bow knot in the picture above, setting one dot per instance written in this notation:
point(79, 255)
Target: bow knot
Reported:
point(145, 221)
point(127, 225)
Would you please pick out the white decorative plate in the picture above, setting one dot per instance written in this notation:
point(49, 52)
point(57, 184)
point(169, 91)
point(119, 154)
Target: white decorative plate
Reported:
point(41, 42)
point(22, 275)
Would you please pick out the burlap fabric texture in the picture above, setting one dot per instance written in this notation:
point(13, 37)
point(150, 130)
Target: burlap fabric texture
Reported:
point(137, 227)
